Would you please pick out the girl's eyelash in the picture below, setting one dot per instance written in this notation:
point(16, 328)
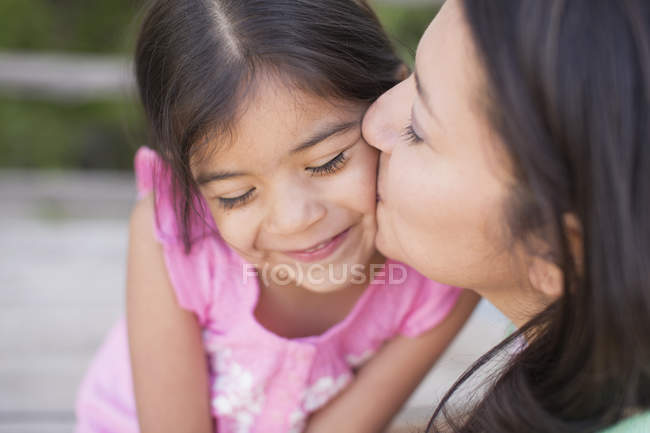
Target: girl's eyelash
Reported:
point(329, 167)
point(410, 136)
point(230, 203)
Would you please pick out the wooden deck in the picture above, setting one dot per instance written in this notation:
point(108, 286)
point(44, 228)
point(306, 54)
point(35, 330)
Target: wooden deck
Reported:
point(62, 270)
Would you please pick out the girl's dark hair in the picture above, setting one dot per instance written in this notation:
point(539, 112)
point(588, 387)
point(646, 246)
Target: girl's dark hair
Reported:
point(569, 86)
point(195, 61)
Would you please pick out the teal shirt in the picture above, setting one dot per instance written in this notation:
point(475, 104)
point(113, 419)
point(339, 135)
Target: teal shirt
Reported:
point(635, 424)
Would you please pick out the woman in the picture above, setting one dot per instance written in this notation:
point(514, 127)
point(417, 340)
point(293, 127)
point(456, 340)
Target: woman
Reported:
point(516, 161)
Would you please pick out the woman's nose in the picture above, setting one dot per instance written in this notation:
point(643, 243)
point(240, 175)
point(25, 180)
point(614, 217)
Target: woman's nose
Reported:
point(384, 120)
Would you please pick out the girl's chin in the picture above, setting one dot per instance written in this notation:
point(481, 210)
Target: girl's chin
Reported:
point(325, 289)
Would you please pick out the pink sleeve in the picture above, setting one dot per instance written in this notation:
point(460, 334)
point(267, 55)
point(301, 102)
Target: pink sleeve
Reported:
point(190, 274)
point(192, 278)
point(151, 174)
point(429, 306)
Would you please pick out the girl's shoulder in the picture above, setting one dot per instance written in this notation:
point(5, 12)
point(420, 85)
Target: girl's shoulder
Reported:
point(416, 302)
point(198, 274)
point(154, 176)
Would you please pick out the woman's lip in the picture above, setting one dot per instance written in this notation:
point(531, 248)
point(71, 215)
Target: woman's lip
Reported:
point(321, 253)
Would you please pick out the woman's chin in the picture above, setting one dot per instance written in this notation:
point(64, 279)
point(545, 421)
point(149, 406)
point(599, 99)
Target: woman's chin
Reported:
point(382, 244)
point(381, 239)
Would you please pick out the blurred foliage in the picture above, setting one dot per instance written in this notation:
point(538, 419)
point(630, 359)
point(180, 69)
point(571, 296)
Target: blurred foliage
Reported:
point(103, 134)
point(95, 26)
point(405, 25)
point(87, 135)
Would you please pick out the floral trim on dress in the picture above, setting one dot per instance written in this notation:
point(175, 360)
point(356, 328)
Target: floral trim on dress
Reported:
point(315, 397)
point(235, 394)
point(238, 396)
point(357, 360)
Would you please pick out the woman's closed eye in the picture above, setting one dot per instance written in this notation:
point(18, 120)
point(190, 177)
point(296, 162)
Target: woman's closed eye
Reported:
point(330, 167)
point(410, 136)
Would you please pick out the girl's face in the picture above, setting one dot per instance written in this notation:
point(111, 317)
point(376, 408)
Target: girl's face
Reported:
point(293, 191)
point(443, 180)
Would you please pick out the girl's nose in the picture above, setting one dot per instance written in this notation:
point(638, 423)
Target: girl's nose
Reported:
point(294, 210)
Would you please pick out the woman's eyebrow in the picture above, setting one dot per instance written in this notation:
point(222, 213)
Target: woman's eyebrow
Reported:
point(326, 133)
point(424, 96)
point(423, 93)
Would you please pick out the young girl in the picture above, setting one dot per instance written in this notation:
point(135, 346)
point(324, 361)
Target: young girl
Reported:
point(255, 294)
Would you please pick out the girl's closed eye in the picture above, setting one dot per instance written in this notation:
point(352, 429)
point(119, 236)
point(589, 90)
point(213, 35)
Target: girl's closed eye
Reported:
point(330, 167)
point(232, 202)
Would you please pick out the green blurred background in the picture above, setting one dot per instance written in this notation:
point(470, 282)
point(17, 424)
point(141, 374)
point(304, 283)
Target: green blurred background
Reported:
point(103, 133)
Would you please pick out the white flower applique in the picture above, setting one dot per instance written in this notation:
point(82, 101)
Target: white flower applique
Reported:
point(321, 391)
point(297, 421)
point(236, 395)
point(315, 396)
point(357, 360)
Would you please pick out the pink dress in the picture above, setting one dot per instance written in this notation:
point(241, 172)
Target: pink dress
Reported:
point(260, 382)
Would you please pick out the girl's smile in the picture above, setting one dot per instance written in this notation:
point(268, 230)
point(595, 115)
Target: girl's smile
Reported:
point(322, 250)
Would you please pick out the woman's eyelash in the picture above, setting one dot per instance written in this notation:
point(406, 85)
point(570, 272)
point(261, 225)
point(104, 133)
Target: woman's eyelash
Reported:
point(410, 136)
point(230, 203)
point(331, 166)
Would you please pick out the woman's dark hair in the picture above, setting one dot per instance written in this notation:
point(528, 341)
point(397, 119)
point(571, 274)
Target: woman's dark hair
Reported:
point(569, 93)
point(196, 60)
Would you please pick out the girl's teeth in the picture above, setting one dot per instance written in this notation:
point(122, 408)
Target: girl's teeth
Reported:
point(317, 247)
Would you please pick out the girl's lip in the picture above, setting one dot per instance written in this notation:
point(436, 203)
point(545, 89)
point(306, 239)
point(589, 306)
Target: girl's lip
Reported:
point(321, 253)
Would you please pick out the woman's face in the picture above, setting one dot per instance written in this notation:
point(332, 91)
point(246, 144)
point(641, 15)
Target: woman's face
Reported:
point(443, 179)
point(293, 192)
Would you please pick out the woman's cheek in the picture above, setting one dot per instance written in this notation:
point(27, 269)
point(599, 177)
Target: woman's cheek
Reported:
point(426, 196)
point(409, 181)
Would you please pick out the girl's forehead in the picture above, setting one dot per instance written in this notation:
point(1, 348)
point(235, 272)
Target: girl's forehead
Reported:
point(271, 97)
point(277, 121)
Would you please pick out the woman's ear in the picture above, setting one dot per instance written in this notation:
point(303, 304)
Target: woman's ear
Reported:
point(574, 234)
point(546, 277)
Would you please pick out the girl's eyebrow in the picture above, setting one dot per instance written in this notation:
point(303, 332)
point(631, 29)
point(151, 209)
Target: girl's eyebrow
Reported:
point(326, 133)
point(204, 178)
point(323, 135)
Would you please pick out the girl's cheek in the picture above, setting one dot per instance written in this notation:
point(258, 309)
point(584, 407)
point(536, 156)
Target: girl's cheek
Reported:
point(236, 229)
point(361, 182)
